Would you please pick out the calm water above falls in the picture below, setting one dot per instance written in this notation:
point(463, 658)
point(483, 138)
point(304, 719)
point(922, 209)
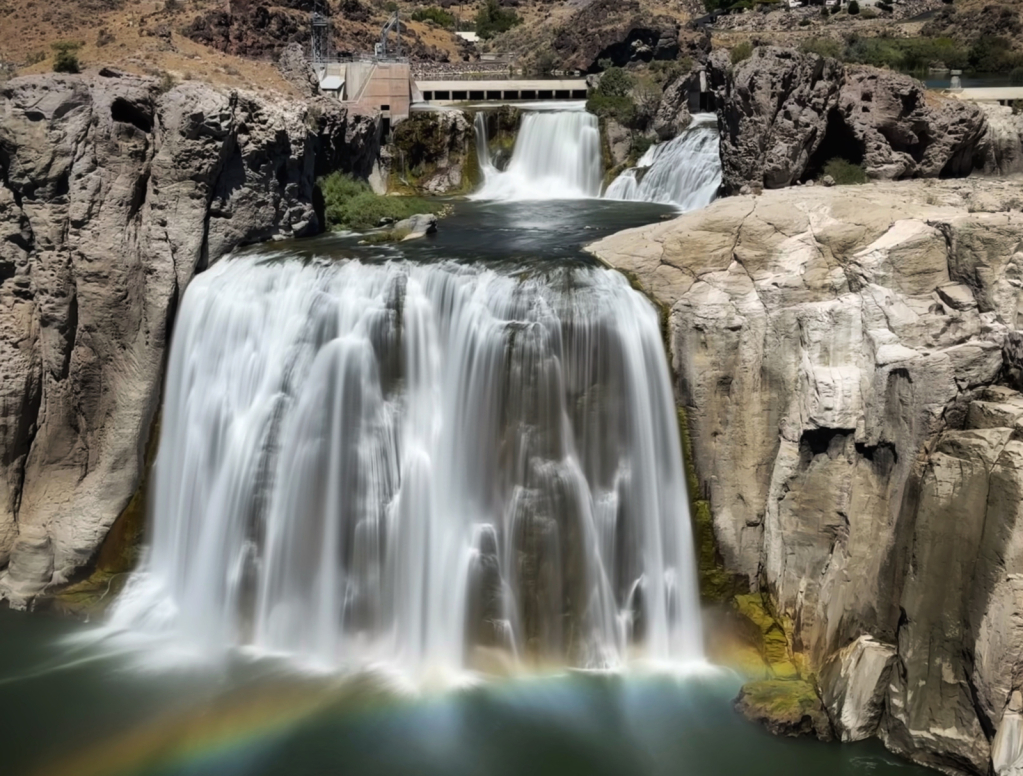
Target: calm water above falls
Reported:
point(455, 456)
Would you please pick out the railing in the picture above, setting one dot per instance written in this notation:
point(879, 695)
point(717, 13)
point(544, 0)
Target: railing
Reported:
point(345, 58)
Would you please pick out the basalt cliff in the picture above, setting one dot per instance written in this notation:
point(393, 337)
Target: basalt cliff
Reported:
point(851, 368)
point(113, 193)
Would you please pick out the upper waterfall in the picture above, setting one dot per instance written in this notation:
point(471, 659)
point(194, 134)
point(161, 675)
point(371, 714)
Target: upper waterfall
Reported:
point(685, 171)
point(556, 156)
point(410, 463)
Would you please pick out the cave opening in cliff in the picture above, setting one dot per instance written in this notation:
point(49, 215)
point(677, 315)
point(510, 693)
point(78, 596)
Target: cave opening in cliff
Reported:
point(839, 143)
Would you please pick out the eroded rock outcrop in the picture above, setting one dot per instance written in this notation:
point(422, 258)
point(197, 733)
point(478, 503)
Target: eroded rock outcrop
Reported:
point(621, 31)
point(783, 114)
point(773, 115)
point(112, 194)
point(849, 362)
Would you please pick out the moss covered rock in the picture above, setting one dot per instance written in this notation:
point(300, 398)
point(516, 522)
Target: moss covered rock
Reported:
point(786, 707)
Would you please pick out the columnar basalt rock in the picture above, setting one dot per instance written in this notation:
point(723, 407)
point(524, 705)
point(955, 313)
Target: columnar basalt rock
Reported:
point(112, 195)
point(849, 360)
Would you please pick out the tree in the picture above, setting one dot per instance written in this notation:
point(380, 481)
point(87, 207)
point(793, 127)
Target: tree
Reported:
point(65, 57)
point(854, 7)
point(492, 20)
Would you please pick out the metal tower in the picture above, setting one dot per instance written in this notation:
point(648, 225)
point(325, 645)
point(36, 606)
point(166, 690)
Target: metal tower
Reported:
point(321, 40)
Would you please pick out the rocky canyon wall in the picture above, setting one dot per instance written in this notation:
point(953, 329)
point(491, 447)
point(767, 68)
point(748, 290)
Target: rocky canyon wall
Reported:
point(851, 366)
point(113, 193)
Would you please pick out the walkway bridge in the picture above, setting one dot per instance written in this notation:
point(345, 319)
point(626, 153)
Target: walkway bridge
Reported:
point(502, 90)
point(1003, 95)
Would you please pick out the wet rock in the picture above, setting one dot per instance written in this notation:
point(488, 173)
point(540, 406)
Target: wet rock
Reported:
point(416, 226)
point(785, 707)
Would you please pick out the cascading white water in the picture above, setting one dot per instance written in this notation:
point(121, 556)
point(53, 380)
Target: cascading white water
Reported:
point(685, 171)
point(413, 463)
point(556, 156)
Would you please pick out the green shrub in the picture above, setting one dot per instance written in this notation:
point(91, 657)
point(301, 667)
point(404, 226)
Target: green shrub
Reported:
point(741, 52)
point(885, 6)
point(615, 82)
point(825, 47)
point(992, 54)
point(804, 22)
point(434, 14)
point(854, 7)
point(611, 100)
point(825, 13)
point(492, 20)
point(845, 172)
point(1016, 76)
point(665, 71)
point(65, 57)
point(639, 146)
point(351, 204)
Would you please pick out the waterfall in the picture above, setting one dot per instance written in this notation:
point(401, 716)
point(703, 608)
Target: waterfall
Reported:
point(417, 465)
point(556, 156)
point(479, 126)
point(685, 171)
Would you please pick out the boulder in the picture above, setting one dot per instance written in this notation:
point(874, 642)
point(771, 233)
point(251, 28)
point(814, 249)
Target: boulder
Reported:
point(784, 114)
point(854, 683)
point(419, 225)
point(773, 114)
point(112, 195)
point(904, 132)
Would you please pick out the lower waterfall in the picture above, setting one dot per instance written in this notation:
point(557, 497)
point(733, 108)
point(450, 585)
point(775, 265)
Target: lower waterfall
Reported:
point(556, 156)
point(417, 464)
point(685, 171)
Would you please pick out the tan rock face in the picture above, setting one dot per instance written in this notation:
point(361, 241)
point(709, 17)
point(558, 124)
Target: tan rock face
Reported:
point(840, 353)
point(111, 196)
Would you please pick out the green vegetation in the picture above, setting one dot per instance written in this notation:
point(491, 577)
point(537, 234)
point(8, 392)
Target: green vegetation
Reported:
point(716, 584)
point(1016, 76)
point(492, 20)
point(854, 7)
point(351, 204)
point(914, 55)
point(741, 52)
point(844, 172)
point(784, 700)
point(436, 15)
point(610, 100)
point(665, 71)
point(65, 57)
